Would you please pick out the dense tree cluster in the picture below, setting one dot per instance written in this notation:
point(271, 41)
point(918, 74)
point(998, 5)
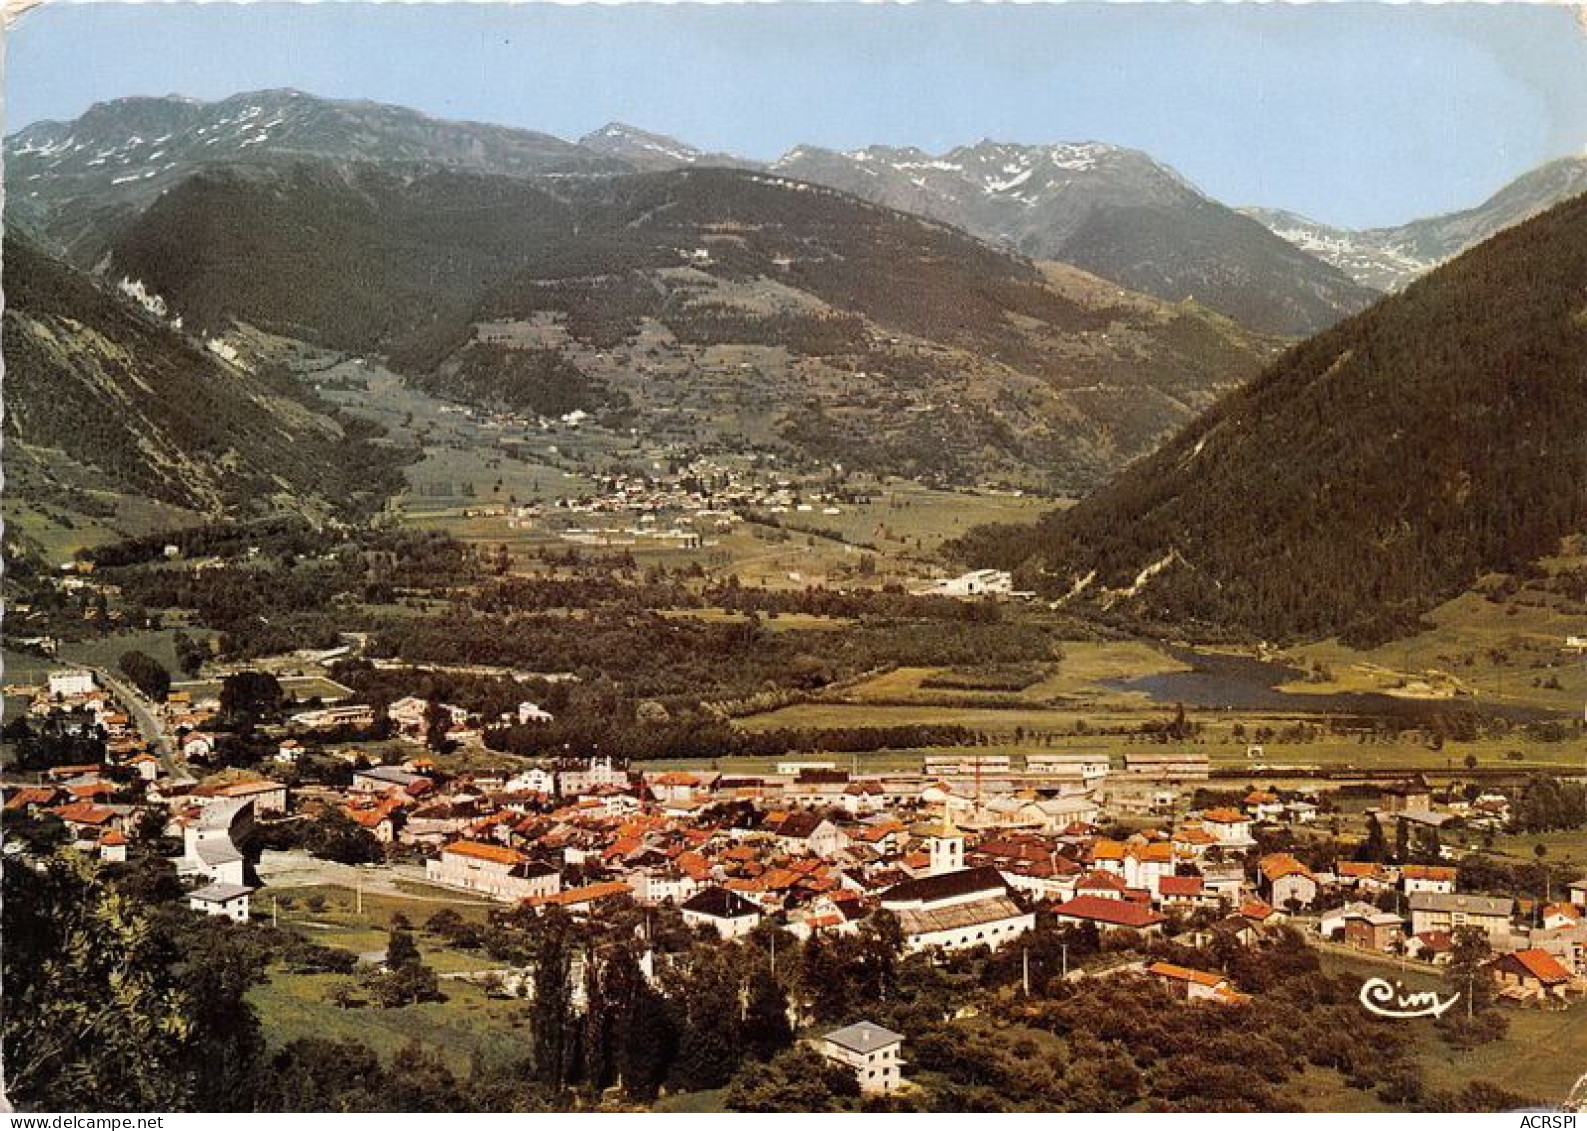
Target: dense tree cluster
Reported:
point(147, 674)
point(538, 380)
point(1548, 803)
point(160, 994)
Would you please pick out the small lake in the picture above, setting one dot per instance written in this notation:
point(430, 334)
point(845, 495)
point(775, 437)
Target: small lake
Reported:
point(1244, 683)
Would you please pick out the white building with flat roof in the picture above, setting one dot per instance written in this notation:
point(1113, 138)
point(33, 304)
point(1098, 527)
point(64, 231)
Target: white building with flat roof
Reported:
point(75, 681)
point(976, 583)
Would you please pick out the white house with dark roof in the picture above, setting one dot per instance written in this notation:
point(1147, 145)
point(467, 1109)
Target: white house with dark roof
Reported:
point(955, 910)
point(230, 900)
point(725, 912)
point(388, 779)
point(874, 1053)
point(810, 834)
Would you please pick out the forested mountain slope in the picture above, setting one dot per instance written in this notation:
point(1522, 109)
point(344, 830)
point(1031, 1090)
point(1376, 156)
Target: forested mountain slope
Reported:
point(91, 380)
point(846, 330)
point(1371, 473)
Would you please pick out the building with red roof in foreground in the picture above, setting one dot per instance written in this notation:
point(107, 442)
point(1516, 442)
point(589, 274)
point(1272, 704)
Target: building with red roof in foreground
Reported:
point(492, 869)
point(1109, 914)
point(1196, 985)
point(1535, 977)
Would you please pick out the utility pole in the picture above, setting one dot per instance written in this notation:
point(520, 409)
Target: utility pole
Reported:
point(1065, 951)
point(1025, 969)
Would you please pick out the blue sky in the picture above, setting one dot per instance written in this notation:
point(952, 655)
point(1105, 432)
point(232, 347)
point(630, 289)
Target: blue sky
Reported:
point(1356, 114)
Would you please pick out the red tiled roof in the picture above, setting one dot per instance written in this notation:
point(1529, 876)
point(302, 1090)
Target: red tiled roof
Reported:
point(1281, 864)
point(1114, 912)
point(495, 853)
point(1101, 881)
point(84, 813)
point(1543, 966)
point(1359, 869)
point(587, 894)
point(369, 816)
point(1224, 816)
point(1185, 974)
point(693, 864)
point(676, 778)
point(1160, 852)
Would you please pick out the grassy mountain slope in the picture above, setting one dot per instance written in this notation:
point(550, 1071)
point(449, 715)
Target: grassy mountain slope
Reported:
point(1371, 473)
point(759, 305)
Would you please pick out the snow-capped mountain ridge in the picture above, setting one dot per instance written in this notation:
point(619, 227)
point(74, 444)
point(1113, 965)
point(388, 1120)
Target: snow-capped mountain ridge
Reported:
point(1389, 258)
point(652, 152)
point(1111, 210)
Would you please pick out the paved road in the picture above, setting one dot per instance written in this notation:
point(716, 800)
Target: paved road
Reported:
point(144, 715)
point(299, 869)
